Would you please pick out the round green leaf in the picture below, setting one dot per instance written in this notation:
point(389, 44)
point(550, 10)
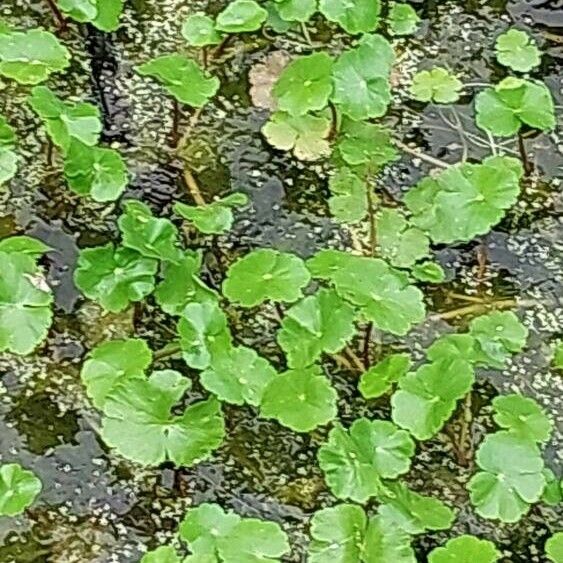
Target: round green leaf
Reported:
point(503, 109)
point(523, 416)
point(558, 356)
point(65, 121)
point(517, 50)
point(138, 423)
point(465, 200)
point(322, 322)
point(385, 542)
point(465, 549)
point(361, 78)
point(354, 16)
point(150, 236)
point(240, 16)
point(162, 554)
point(30, 57)
point(402, 19)
point(348, 203)
point(300, 399)
point(7, 134)
point(204, 333)
point(378, 379)
point(427, 398)
point(23, 244)
point(183, 78)
point(436, 85)
point(18, 489)
point(98, 172)
point(264, 275)
point(429, 272)
point(111, 363)
point(238, 376)
point(366, 143)
point(554, 547)
point(103, 14)
point(296, 10)
point(199, 30)
point(355, 461)
point(8, 165)
point(114, 277)
point(305, 84)
point(511, 478)
point(25, 304)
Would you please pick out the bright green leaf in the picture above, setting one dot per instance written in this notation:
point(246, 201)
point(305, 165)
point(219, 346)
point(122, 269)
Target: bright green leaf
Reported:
point(366, 143)
point(502, 110)
point(18, 489)
point(361, 78)
point(355, 461)
point(517, 50)
point(115, 277)
point(511, 478)
point(162, 554)
point(240, 16)
point(450, 347)
point(263, 275)
point(465, 200)
point(429, 272)
point(402, 19)
point(305, 84)
point(7, 134)
point(103, 14)
point(296, 10)
point(322, 322)
point(552, 494)
point(554, 547)
point(348, 203)
point(66, 121)
point(30, 57)
point(379, 379)
point(183, 78)
point(465, 549)
point(354, 16)
point(23, 244)
point(111, 363)
point(98, 172)
point(138, 422)
point(436, 85)
point(558, 356)
point(427, 398)
point(300, 399)
point(199, 30)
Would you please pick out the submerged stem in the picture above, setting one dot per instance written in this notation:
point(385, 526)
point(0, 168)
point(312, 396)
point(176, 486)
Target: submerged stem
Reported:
point(168, 350)
point(421, 155)
point(175, 122)
point(528, 167)
point(61, 21)
point(193, 187)
point(483, 307)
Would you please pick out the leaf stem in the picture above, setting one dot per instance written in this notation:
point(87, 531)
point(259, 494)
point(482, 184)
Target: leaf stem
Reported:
point(354, 358)
point(61, 21)
point(482, 307)
point(421, 155)
point(193, 187)
point(175, 122)
point(221, 47)
point(306, 34)
point(333, 121)
point(169, 350)
point(367, 341)
point(49, 152)
point(463, 297)
point(528, 167)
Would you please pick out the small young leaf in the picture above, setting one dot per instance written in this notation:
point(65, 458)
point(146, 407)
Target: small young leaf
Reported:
point(240, 16)
point(263, 275)
point(361, 78)
point(183, 78)
point(366, 143)
point(215, 535)
point(199, 30)
point(429, 272)
point(103, 14)
point(181, 285)
point(348, 203)
point(31, 57)
point(8, 165)
point(354, 16)
point(7, 134)
point(98, 172)
point(452, 347)
point(23, 244)
point(25, 304)
point(204, 333)
point(413, 512)
point(238, 375)
point(399, 243)
point(498, 335)
point(378, 379)
point(138, 423)
point(465, 549)
point(554, 547)
point(115, 277)
point(150, 236)
point(300, 399)
point(306, 135)
point(382, 294)
point(502, 110)
point(65, 121)
point(557, 359)
point(427, 398)
point(305, 84)
point(517, 50)
point(465, 200)
point(322, 322)
point(523, 416)
point(274, 20)
point(162, 554)
point(553, 493)
point(436, 85)
point(111, 363)
point(296, 10)
point(511, 478)
point(18, 489)
point(355, 461)
point(402, 19)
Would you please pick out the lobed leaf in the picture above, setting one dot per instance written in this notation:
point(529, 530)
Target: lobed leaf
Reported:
point(517, 50)
point(354, 16)
point(465, 549)
point(199, 31)
point(103, 14)
point(240, 16)
point(18, 489)
point(348, 202)
point(436, 85)
point(379, 379)
point(402, 19)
